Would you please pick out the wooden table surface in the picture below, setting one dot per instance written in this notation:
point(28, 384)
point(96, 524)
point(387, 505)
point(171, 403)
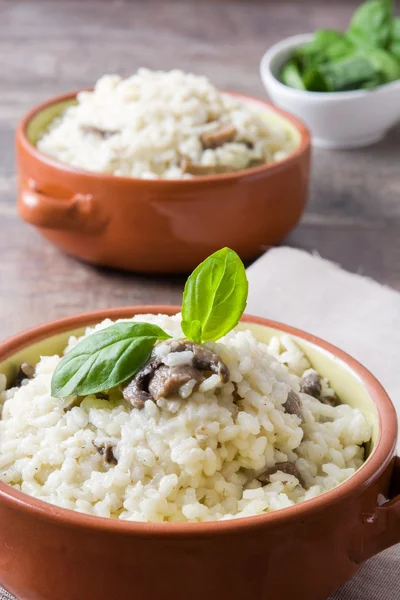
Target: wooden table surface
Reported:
point(48, 47)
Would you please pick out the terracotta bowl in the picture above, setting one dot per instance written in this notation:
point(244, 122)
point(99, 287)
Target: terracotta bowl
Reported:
point(158, 225)
point(304, 551)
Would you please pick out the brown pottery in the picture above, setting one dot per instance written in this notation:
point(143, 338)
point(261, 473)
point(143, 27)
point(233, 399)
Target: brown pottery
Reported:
point(158, 225)
point(305, 551)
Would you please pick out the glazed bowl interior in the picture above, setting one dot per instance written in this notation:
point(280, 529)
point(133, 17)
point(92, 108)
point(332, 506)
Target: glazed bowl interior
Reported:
point(347, 384)
point(41, 120)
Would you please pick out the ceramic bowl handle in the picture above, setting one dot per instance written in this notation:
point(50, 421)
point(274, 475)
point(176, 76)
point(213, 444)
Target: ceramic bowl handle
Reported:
point(381, 529)
point(76, 213)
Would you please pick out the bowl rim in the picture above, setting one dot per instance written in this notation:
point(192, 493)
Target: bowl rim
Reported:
point(376, 464)
point(295, 41)
point(303, 147)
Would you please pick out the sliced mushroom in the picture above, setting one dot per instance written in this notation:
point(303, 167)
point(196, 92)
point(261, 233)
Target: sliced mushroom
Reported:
point(331, 400)
point(196, 169)
point(102, 133)
point(218, 137)
point(292, 406)
point(156, 380)
point(285, 467)
point(247, 143)
point(236, 396)
point(25, 371)
point(256, 162)
point(106, 449)
point(203, 358)
point(167, 381)
point(71, 402)
point(311, 384)
point(136, 392)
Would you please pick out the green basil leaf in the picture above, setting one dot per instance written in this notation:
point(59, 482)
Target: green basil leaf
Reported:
point(394, 44)
point(371, 23)
point(215, 297)
point(327, 45)
point(314, 81)
point(192, 330)
point(326, 37)
point(340, 49)
point(105, 359)
point(307, 56)
point(348, 73)
point(371, 84)
point(385, 63)
point(290, 75)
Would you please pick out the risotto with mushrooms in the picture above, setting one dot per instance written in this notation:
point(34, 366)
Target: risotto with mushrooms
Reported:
point(178, 418)
point(169, 125)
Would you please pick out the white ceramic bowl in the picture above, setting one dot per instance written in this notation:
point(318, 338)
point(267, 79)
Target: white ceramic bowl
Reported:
point(336, 119)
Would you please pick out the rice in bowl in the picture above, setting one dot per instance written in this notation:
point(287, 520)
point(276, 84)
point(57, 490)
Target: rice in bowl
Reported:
point(208, 453)
point(168, 125)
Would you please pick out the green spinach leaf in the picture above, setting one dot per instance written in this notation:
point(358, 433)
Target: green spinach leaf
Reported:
point(315, 81)
point(349, 73)
point(366, 56)
point(215, 297)
point(385, 63)
point(290, 75)
point(327, 45)
point(105, 359)
point(394, 44)
point(371, 23)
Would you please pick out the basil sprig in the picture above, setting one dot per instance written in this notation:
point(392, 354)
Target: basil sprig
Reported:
point(214, 299)
point(105, 359)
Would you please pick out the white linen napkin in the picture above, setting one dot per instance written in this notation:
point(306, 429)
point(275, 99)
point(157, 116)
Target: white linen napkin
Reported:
point(356, 314)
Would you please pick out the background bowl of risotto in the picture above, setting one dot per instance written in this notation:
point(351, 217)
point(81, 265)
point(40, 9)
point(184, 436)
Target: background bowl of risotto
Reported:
point(158, 204)
point(330, 534)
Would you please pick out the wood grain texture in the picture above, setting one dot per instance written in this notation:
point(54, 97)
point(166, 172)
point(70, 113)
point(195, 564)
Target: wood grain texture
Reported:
point(49, 47)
